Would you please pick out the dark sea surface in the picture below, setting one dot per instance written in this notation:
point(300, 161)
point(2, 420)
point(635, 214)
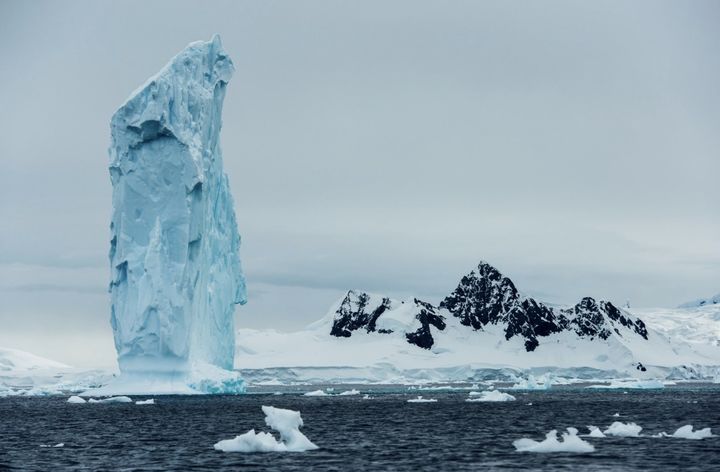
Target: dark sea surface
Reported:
point(382, 433)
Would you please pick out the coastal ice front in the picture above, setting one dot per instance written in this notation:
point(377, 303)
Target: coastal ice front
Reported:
point(176, 272)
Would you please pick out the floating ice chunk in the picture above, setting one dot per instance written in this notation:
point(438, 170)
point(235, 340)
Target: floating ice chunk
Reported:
point(76, 399)
point(623, 430)
point(595, 432)
point(686, 432)
point(367, 397)
point(285, 422)
point(316, 393)
point(150, 401)
point(532, 384)
point(616, 415)
point(490, 396)
point(571, 442)
point(50, 445)
point(631, 384)
point(121, 399)
point(349, 392)
point(420, 399)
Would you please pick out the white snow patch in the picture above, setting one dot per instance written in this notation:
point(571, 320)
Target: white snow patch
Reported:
point(571, 442)
point(623, 430)
point(285, 422)
point(490, 396)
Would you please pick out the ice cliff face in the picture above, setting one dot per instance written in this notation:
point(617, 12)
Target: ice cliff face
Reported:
point(484, 298)
point(176, 272)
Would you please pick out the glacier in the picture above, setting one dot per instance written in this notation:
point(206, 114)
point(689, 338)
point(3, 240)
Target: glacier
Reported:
point(174, 248)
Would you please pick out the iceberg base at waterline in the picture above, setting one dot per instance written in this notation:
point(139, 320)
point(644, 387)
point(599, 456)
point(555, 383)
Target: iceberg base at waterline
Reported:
point(201, 379)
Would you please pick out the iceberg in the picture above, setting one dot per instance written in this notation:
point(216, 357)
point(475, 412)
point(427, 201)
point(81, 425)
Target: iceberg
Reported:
point(285, 422)
point(176, 273)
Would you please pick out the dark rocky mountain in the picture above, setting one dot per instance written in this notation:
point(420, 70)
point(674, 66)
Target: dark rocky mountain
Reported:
point(360, 311)
point(486, 297)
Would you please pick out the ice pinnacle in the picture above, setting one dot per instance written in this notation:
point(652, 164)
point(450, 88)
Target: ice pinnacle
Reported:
point(176, 272)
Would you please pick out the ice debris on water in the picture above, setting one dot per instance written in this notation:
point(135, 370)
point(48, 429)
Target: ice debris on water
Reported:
point(316, 393)
point(420, 399)
point(595, 432)
point(571, 442)
point(490, 396)
point(120, 399)
point(51, 445)
point(349, 392)
point(76, 399)
point(623, 429)
point(531, 383)
point(686, 432)
point(631, 384)
point(150, 401)
point(285, 422)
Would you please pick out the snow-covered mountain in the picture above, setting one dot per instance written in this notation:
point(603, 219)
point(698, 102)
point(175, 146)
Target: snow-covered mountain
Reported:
point(485, 325)
point(702, 302)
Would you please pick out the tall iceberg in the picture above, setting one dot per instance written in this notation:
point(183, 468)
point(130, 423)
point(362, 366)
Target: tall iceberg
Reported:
point(176, 272)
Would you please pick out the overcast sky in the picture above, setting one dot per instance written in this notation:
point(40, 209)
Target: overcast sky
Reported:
point(386, 146)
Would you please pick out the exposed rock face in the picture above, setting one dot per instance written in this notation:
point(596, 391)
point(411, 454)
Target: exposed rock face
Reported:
point(361, 311)
point(485, 297)
point(356, 311)
point(422, 337)
point(176, 272)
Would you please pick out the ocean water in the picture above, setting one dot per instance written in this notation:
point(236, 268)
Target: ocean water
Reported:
point(382, 433)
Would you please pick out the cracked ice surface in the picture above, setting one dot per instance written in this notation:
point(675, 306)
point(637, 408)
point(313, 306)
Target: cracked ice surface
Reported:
point(176, 272)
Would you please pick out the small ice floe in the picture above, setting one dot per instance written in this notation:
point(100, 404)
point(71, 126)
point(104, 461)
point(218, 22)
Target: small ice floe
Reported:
point(349, 392)
point(367, 397)
point(76, 399)
point(150, 401)
point(529, 404)
point(616, 415)
point(571, 442)
point(595, 432)
point(686, 432)
point(50, 445)
point(420, 399)
point(626, 430)
point(277, 393)
point(543, 383)
point(490, 396)
point(632, 384)
point(285, 422)
point(316, 393)
point(121, 399)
